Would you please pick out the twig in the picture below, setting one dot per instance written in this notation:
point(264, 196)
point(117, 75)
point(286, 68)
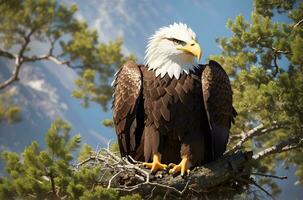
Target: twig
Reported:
point(52, 183)
point(100, 158)
point(112, 178)
point(205, 196)
point(260, 187)
point(298, 23)
point(15, 76)
point(257, 131)
point(108, 144)
point(246, 136)
point(147, 175)
point(269, 175)
point(286, 145)
point(278, 51)
point(152, 193)
point(276, 54)
point(98, 152)
point(133, 160)
point(167, 187)
point(277, 68)
point(19, 60)
point(111, 154)
point(7, 54)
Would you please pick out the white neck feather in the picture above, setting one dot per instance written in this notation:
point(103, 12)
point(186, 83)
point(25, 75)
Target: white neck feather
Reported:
point(174, 66)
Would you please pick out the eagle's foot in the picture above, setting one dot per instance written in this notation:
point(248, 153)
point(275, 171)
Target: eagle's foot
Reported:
point(156, 165)
point(181, 168)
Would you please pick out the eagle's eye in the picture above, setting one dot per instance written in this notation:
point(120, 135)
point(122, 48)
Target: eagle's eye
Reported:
point(177, 42)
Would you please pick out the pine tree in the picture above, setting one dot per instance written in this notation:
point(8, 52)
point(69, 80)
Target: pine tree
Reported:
point(263, 58)
point(10, 112)
point(50, 174)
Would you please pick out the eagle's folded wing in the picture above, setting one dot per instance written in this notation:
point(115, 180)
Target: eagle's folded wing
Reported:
point(126, 107)
point(217, 96)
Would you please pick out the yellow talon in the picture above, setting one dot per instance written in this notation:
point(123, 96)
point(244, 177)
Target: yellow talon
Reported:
point(156, 164)
point(182, 167)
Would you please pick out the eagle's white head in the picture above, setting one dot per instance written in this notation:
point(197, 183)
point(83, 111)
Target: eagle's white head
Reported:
point(172, 50)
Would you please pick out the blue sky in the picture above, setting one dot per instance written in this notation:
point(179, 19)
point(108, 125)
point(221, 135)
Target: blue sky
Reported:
point(135, 20)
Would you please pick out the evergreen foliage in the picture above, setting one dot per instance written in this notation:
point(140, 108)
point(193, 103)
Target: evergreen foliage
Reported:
point(50, 174)
point(10, 112)
point(263, 58)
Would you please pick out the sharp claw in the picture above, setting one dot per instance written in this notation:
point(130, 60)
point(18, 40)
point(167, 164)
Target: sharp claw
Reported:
point(182, 168)
point(155, 166)
point(171, 165)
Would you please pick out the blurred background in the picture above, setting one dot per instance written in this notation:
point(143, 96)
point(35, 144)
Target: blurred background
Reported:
point(47, 91)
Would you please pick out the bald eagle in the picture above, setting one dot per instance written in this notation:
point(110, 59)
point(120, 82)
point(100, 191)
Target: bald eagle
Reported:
point(172, 110)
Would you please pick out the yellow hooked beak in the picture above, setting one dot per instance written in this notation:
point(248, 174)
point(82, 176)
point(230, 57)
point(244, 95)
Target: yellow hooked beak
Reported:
point(193, 48)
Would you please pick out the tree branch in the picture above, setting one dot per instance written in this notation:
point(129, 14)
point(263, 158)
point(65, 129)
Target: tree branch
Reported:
point(46, 57)
point(276, 54)
point(257, 131)
point(260, 187)
point(286, 145)
point(7, 54)
point(18, 61)
point(14, 77)
point(277, 68)
point(279, 51)
point(298, 23)
point(269, 175)
point(52, 183)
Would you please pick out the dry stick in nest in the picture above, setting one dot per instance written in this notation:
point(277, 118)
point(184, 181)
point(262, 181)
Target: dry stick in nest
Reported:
point(201, 180)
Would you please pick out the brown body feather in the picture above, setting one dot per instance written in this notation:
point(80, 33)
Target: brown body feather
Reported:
point(174, 117)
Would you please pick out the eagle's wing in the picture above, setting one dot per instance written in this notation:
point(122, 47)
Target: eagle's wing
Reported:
point(128, 107)
point(217, 96)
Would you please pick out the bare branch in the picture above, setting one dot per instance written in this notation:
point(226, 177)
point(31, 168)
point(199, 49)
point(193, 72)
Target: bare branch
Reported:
point(20, 58)
point(286, 145)
point(14, 77)
point(260, 187)
point(279, 51)
point(158, 185)
point(247, 135)
point(7, 54)
point(112, 178)
point(257, 131)
point(298, 23)
point(46, 57)
point(51, 177)
point(276, 54)
point(18, 61)
point(269, 175)
point(277, 68)
point(54, 59)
